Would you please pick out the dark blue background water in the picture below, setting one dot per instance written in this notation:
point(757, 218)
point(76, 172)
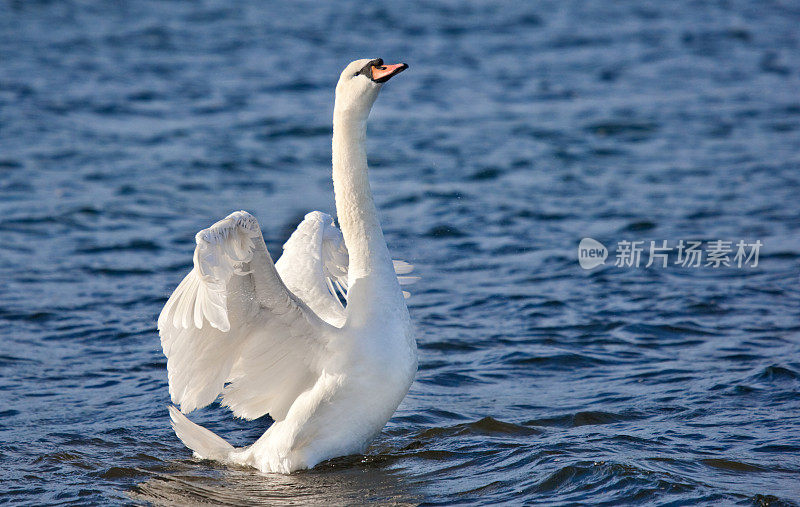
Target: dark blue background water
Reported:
point(521, 127)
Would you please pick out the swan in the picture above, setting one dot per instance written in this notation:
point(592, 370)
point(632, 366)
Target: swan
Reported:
point(277, 338)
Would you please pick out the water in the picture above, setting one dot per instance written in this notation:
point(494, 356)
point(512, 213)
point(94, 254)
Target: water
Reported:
point(519, 129)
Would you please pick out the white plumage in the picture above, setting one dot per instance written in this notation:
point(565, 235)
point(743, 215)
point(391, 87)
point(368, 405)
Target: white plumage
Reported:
point(277, 338)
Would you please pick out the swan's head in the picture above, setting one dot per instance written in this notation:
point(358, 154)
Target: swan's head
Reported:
point(360, 83)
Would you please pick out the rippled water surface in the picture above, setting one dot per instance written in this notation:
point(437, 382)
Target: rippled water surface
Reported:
point(520, 128)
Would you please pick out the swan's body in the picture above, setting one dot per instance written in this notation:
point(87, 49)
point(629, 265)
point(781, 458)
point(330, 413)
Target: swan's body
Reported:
point(276, 339)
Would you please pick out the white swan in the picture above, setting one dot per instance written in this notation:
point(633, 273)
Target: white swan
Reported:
point(275, 338)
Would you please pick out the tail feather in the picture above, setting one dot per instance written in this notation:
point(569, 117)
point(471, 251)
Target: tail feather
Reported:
point(203, 442)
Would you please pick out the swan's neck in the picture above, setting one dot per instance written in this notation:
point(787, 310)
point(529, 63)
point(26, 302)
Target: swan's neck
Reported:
point(358, 216)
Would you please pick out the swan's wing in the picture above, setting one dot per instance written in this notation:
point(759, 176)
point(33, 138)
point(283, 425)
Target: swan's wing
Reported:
point(314, 266)
point(402, 268)
point(233, 320)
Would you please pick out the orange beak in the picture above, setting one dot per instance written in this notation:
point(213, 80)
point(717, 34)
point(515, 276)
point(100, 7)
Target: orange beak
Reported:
point(382, 73)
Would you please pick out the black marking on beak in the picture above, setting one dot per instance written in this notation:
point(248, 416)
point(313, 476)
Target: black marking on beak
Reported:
point(367, 69)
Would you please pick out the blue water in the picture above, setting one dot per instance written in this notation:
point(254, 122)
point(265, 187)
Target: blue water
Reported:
point(520, 128)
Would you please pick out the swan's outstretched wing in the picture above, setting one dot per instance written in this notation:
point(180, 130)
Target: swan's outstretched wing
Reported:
point(233, 320)
point(314, 267)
